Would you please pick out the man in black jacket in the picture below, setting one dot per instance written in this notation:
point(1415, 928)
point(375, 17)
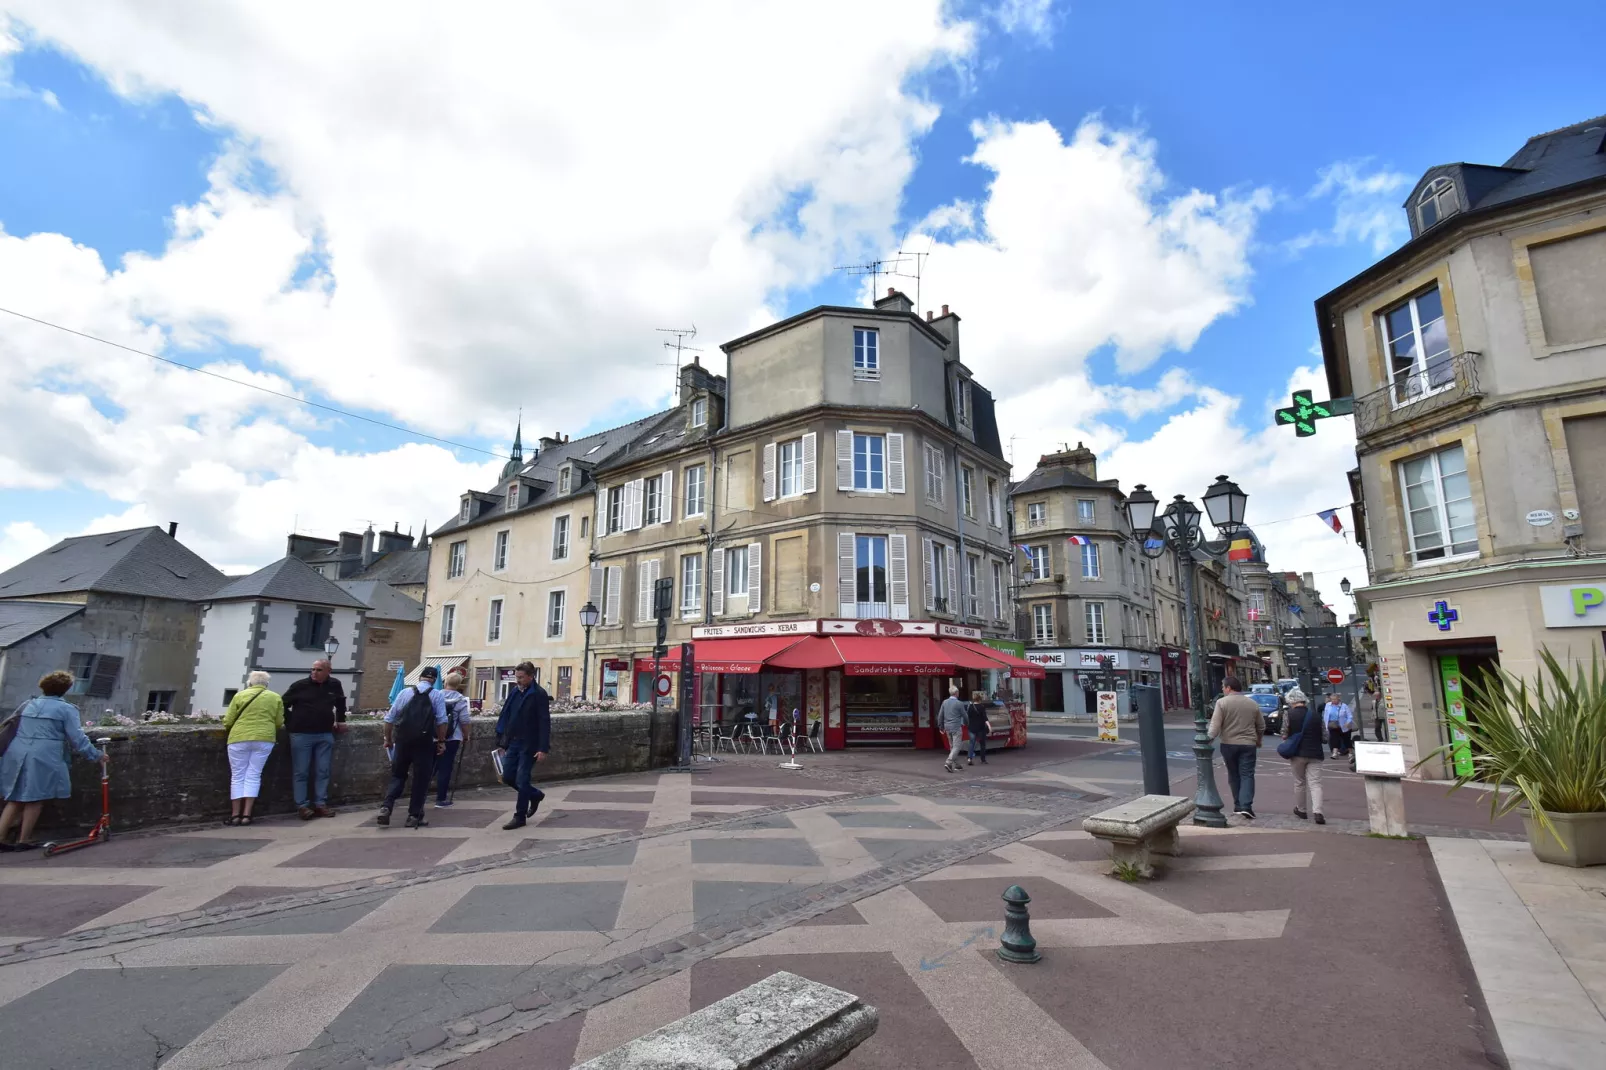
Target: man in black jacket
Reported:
point(313, 706)
point(523, 736)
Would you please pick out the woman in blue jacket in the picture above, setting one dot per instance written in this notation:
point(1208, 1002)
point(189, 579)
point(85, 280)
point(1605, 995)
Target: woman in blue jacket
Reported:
point(35, 764)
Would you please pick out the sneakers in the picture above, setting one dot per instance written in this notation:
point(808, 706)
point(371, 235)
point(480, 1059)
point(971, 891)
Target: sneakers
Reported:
point(1302, 815)
point(518, 822)
point(442, 802)
point(415, 822)
point(1247, 811)
point(1320, 820)
point(384, 817)
point(970, 761)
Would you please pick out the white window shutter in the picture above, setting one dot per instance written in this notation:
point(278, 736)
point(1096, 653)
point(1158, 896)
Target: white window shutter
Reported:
point(844, 460)
point(808, 463)
point(610, 611)
point(954, 595)
point(898, 576)
point(931, 594)
point(654, 572)
point(769, 471)
point(716, 582)
point(847, 590)
point(666, 497)
point(895, 463)
point(633, 504)
point(595, 594)
point(600, 520)
point(755, 576)
point(644, 590)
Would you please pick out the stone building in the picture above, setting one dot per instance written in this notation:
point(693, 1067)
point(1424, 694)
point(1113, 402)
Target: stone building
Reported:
point(387, 557)
point(1476, 355)
point(391, 640)
point(1265, 610)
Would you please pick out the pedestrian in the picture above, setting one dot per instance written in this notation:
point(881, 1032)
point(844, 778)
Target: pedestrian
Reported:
point(253, 722)
point(415, 735)
point(1306, 756)
point(1340, 724)
point(979, 727)
point(457, 736)
point(1376, 702)
point(314, 710)
point(34, 767)
point(523, 737)
point(1240, 725)
point(951, 717)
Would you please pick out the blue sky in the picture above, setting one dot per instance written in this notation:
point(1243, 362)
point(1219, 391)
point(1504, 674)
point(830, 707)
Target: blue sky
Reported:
point(458, 300)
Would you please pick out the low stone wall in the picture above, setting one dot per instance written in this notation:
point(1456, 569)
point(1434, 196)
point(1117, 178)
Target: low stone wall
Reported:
point(173, 773)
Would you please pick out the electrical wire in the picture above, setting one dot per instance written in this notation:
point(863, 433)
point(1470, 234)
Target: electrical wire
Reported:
point(253, 386)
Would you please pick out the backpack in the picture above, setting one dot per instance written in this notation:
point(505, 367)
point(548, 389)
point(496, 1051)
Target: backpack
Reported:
point(417, 720)
point(8, 727)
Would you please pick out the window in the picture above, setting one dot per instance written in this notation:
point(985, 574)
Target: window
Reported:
point(1043, 623)
point(1418, 346)
point(940, 564)
point(1084, 510)
point(869, 462)
point(228, 695)
point(560, 537)
point(934, 474)
point(866, 353)
point(457, 560)
point(694, 490)
point(1436, 202)
point(462, 514)
point(1257, 604)
point(493, 622)
point(736, 571)
point(870, 574)
point(312, 629)
point(554, 613)
point(789, 468)
point(616, 510)
point(510, 501)
point(1038, 557)
point(652, 510)
point(962, 402)
point(585, 527)
point(699, 412)
point(565, 476)
point(499, 558)
point(993, 512)
point(159, 701)
point(967, 490)
point(1095, 623)
point(998, 590)
point(448, 623)
point(972, 585)
point(691, 584)
point(1439, 517)
point(1036, 514)
point(1090, 561)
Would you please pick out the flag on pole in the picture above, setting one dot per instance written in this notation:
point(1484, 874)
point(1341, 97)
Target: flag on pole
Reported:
point(1153, 543)
point(1023, 548)
point(1254, 614)
point(1330, 518)
point(401, 682)
point(1078, 540)
point(1240, 550)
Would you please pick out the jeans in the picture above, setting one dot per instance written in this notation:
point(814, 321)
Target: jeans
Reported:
point(1307, 782)
point(309, 759)
point(517, 765)
point(444, 768)
point(978, 745)
point(245, 768)
point(1240, 761)
point(415, 757)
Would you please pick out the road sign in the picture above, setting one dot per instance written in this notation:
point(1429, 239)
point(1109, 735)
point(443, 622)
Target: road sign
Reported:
point(1335, 676)
point(664, 685)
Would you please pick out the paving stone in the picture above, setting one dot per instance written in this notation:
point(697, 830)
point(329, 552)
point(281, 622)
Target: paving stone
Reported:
point(463, 1027)
point(532, 1001)
point(651, 954)
point(495, 1014)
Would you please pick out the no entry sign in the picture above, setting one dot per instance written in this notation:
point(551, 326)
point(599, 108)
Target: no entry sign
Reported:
point(1335, 676)
point(664, 685)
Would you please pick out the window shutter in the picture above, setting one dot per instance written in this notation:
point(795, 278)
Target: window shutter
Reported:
point(847, 590)
point(716, 582)
point(303, 637)
point(894, 463)
point(937, 467)
point(954, 602)
point(808, 463)
point(998, 610)
point(844, 460)
point(594, 596)
point(644, 590)
point(633, 500)
point(769, 472)
point(667, 497)
point(611, 610)
point(755, 577)
point(931, 595)
point(601, 514)
point(107, 666)
point(898, 576)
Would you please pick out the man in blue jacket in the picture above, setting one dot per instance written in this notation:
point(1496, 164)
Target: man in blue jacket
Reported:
point(523, 736)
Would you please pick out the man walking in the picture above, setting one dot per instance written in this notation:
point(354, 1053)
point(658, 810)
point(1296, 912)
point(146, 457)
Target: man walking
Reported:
point(1239, 724)
point(951, 718)
point(313, 706)
point(415, 733)
point(1340, 725)
point(523, 737)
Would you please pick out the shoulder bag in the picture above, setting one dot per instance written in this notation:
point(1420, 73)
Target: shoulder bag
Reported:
point(1289, 748)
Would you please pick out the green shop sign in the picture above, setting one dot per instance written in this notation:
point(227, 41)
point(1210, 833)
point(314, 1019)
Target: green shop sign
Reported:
point(1575, 605)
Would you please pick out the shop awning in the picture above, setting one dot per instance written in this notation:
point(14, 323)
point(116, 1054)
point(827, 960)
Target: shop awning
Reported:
point(813, 652)
point(1019, 668)
point(442, 666)
point(743, 655)
point(898, 655)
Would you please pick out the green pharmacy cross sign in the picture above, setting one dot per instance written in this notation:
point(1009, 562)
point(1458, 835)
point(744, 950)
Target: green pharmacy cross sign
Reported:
point(1304, 412)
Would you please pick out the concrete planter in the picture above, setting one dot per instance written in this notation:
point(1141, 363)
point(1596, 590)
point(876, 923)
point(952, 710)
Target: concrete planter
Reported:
point(1583, 839)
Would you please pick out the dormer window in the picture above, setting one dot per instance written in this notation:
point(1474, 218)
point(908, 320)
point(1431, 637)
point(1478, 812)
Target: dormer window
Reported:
point(565, 474)
point(699, 412)
point(462, 516)
point(1437, 202)
point(512, 497)
point(962, 401)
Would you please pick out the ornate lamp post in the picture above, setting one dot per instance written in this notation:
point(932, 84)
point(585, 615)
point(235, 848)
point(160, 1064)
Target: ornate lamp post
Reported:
point(330, 645)
point(1182, 533)
point(588, 620)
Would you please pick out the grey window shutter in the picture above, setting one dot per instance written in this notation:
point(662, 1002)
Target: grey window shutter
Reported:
point(769, 471)
point(755, 577)
point(808, 463)
point(595, 594)
point(104, 681)
point(931, 594)
point(844, 460)
point(953, 592)
point(847, 591)
point(898, 576)
point(614, 582)
point(716, 582)
point(895, 463)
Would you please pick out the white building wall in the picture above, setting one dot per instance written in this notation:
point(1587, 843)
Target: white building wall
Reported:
point(230, 648)
point(277, 653)
point(224, 654)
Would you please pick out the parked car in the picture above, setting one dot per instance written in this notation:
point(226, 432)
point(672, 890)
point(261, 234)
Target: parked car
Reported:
point(1286, 684)
point(1269, 697)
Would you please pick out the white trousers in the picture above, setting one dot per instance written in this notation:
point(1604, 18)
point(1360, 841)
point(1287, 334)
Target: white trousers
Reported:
point(245, 768)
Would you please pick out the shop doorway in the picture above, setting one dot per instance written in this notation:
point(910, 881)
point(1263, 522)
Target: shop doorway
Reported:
point(1458, 672)
point(1048, 694)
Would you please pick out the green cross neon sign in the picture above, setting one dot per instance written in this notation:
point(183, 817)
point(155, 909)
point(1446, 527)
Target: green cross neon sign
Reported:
point(1304, 412)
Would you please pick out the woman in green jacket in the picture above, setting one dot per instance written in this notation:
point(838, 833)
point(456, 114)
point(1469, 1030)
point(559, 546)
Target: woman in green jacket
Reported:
point(254, 721)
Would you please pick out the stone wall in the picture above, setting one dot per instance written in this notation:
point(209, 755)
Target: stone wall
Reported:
point(172, 773)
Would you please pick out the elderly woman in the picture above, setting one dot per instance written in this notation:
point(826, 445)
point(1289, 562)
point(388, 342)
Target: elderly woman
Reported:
point(35, 765)
point(254, 721)
point(457, 737)
point(1307, 758)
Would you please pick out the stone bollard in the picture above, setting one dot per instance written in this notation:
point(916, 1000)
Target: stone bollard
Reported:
point(1017, 945)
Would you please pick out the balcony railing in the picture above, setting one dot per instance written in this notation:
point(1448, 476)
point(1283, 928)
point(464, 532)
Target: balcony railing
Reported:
point(1412, 395)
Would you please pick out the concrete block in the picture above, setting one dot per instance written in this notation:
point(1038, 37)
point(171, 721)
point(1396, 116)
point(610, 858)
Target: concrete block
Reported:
point(1385, 805)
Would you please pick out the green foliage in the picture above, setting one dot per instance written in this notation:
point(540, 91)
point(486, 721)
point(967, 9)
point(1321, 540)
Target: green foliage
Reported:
point(1127, 871)
point(1547, 742)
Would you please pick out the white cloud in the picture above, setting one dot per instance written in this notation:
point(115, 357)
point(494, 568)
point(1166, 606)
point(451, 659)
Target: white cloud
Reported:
point(1030, 18)
point(1366, 207)
point(19, 540)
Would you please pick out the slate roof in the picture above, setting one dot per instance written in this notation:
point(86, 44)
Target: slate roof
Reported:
point(398, 566)
point(19, 620)
point(144, 562)
point(1058, 475)
point(288, 579)
point(383, 600)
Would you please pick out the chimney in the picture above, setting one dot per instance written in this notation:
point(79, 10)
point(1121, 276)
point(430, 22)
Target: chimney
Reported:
point(550, 442)
point(928, 315)
point(947, 325)
point(695, 378)
point(895, 301)
point(172, 529)
point(1081, 459)
point(368, 554)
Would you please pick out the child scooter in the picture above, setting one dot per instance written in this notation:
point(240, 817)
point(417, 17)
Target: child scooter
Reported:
point(103, 828)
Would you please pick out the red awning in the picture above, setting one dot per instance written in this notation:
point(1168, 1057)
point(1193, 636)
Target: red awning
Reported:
point(813, 652)
point(1019, 668)
point(968, 656)
point(746, 655)
point(896, 655)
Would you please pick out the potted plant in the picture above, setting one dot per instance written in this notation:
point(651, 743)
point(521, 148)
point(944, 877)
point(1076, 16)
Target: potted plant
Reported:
point(1543, 750)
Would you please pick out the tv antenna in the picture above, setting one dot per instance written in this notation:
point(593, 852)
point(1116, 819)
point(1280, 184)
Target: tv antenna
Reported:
point(875, 269)
point(920, 263)
point(681, 336)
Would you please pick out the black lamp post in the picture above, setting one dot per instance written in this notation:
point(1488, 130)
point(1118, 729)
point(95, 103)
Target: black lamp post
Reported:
point(1345, 586)
point(1225, 503)
point(588, 620)
point(330, 645)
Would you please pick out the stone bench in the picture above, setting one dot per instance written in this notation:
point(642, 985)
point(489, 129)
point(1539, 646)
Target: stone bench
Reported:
point(1143, 827)
point(784, 1022)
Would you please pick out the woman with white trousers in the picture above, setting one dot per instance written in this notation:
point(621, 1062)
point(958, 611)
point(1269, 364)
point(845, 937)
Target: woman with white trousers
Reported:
point(254, 721)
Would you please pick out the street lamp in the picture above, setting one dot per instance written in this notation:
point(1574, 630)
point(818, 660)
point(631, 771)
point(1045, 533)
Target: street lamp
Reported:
point(330, 645)
point(588, 620)
point(1345, 586)
point(1183, 534)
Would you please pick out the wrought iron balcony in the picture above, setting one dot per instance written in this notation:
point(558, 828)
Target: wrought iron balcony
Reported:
point(1412, 395)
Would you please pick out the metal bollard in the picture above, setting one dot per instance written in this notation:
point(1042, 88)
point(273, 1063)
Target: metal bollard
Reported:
point(1018, 944)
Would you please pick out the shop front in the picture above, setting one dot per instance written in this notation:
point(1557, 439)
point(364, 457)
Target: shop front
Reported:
point(1173, 677)
point(1074, 677)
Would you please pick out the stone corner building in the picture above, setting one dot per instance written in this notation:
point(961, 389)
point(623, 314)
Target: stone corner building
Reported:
point(1476, 355)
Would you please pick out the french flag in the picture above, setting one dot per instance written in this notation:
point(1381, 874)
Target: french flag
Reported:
point(1330, 518)
point(1078, 540)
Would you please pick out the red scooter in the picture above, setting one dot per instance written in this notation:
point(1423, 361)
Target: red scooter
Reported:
point(103, 828)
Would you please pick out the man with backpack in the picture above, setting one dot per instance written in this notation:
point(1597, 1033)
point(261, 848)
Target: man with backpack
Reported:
point(523, 737)
point(415, 732)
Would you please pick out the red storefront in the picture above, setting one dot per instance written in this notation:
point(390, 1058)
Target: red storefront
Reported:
point(868, 682)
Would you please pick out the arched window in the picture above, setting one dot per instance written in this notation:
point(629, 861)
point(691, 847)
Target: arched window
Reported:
point(1436, 203)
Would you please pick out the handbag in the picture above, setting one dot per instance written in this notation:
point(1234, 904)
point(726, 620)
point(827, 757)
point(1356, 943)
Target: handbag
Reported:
point(1289, 748)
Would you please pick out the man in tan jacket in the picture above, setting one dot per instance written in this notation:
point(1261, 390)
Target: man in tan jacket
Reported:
point(1239, 724)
